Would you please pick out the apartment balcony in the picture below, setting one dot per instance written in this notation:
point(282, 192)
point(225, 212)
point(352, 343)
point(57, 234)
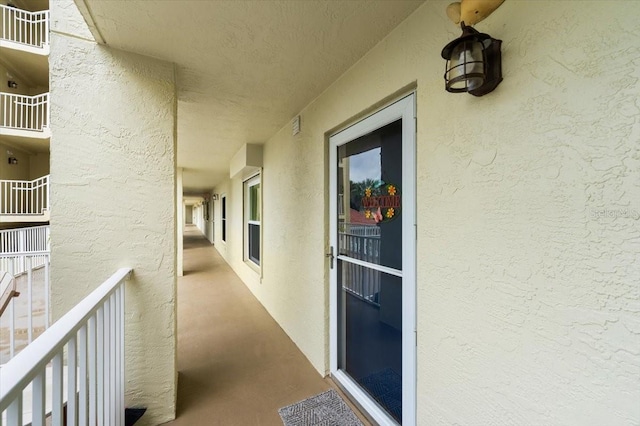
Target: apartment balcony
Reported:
point(24, 120)
point(24, 44)
point(24, 201)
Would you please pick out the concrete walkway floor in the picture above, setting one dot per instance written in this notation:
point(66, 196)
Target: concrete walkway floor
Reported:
point(236, 366)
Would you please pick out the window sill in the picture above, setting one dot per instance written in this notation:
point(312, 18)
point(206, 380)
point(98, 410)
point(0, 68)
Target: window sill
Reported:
point(256, 268)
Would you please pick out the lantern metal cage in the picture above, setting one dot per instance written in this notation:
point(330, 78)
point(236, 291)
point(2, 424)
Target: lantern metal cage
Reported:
point(474, 63)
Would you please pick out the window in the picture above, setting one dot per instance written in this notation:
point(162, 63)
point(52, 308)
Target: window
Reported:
point(253, 208)
point(224, 218)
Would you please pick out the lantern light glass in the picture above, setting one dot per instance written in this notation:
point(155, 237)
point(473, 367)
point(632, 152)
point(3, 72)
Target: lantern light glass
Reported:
point(473, 63)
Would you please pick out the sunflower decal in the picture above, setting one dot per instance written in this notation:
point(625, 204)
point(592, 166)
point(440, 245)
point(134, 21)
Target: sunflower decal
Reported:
point(391, 189)
point(367, 214)
point(390, 212)
point(367, 192)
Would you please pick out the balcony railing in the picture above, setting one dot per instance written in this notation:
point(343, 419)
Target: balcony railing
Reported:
point(35, 238)
point(24, 197)
point(20, 112)
point(359, 229)
point(362, 282)
point(85, 349)
point(27, 315)
point(24, 27)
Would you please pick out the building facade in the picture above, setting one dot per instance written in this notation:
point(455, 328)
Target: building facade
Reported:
point(506, 273)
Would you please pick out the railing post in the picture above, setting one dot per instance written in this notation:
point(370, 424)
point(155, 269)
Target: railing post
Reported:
point(122, 366)
point(39, 399)
point(93, 370)
point(29, 261)
point(57, 386)
point(107, 362)
point(82, 374)
point(14, 413)
point(72, 380)
point(47, 16)
point(100, 352)
point(48, 189)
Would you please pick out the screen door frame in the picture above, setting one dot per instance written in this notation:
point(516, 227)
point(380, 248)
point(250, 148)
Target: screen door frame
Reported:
point(403, 109)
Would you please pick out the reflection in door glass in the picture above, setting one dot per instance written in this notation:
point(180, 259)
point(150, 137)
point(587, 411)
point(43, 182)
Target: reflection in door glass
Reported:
point(370, 198)
point(370, 231)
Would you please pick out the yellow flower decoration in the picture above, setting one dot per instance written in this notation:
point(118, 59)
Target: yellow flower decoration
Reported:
point(390, 212)
point(367, 214)
point(367, 192)
point(392, 190)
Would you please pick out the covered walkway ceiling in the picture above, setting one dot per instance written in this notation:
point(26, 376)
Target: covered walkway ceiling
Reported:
point(244, 68)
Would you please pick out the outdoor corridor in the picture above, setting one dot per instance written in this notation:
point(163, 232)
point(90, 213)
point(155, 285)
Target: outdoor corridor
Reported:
point(236, 365)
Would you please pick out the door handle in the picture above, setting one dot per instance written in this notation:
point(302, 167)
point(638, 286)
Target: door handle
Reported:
point(330, 256)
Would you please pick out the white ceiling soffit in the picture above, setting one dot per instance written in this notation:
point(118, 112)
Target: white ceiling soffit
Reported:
point(192, 200)
point(245, 68)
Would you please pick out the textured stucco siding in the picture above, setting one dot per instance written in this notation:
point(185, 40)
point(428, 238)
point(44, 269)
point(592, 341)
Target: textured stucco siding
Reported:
point(113, 199)
point(528, 216)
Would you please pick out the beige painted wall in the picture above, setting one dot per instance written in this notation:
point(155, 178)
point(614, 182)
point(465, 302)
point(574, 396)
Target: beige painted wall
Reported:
point(38, 165)
point(188, 215)
point(528, 224)
point(29, 167)
point(114, 198)
point(18, 171)
point(22, 88)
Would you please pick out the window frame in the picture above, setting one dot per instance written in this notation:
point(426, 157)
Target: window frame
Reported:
point(223, 218)
point(254, 180)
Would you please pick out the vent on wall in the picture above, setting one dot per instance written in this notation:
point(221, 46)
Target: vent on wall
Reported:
point(295, 126)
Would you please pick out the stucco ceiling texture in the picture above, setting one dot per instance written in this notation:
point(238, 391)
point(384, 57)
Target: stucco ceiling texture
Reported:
point(244, 68)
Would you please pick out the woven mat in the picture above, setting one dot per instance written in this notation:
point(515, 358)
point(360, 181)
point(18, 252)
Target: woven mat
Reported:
point(386, 388)
point(325, 409)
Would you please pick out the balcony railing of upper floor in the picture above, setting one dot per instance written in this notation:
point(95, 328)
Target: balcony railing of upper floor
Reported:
point(24, 197)
point(26, 315)
point(20, 113)
point(79, 361)
point(23, 240)
point(25, 28)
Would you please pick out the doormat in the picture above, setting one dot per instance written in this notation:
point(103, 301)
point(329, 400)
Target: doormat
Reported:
point(325, 409)
point(386, 387)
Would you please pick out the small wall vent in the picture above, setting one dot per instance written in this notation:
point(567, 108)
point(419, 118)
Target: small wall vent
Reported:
point(295, 126)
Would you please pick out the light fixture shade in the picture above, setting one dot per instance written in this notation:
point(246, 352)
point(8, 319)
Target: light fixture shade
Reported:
point(474, 63)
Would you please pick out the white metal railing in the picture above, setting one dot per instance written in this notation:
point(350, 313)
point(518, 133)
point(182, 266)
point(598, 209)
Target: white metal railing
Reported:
point(24, 27)
point(360, 229)
point(21, 112)
point(34, 238)
point(24, 196)
point(27, 315)
point(86, 351)
point(358, 280)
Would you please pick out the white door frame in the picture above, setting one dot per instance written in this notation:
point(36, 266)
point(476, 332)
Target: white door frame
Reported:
point(403, 109)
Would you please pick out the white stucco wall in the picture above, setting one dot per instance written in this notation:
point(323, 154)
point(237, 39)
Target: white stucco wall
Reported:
point(113, 195)
point(528, 216)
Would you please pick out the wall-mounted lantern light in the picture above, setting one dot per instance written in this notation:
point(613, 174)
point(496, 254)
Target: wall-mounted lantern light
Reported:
point(474, 63)
point(12, 84)
point(215, 197)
